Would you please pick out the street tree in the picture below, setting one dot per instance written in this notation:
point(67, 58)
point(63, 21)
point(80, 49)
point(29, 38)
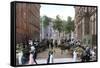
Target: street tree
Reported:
point(58, 24)
point(69, 26)
point(46, 20)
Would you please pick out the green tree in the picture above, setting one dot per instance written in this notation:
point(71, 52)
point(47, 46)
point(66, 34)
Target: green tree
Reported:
point(45, 21)
point(58, 24)
point(69, 26)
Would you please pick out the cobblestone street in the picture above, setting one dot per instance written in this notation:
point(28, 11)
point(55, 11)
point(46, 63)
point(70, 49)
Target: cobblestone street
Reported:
point(57, 54)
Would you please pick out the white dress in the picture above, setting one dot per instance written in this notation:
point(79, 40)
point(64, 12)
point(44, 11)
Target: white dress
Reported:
point(20, 54)
point(74, 56)
point(51, 59)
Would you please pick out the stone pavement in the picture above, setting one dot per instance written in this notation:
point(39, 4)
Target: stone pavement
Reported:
point(58, 57)
point(57, 54)
point(56, 60)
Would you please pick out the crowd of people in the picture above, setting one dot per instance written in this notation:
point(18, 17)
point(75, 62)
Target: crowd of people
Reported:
point(28, 53)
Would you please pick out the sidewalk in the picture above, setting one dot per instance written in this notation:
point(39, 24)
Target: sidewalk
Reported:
point(57, 54)
point(56, 60)
point(58, 57)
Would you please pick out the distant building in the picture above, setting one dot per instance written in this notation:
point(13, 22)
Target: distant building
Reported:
point(27, 22)
point(86, 23)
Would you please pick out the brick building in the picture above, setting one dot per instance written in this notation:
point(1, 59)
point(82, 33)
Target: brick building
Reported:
point(86, 23)
point(27, 22)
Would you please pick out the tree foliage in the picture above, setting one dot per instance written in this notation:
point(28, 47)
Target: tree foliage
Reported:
point(58, 24)
point(69, 25)
point(46, 20)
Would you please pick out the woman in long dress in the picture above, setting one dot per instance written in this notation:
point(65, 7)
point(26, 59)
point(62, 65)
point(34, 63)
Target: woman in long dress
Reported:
point(74, 56)
point(31, 60)
point(50, 57)
point(20, 54)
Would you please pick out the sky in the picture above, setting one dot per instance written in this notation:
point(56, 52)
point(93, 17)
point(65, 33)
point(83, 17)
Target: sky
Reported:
point(54, 10)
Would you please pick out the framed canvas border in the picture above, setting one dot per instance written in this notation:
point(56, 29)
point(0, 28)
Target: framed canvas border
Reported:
point(13, 32)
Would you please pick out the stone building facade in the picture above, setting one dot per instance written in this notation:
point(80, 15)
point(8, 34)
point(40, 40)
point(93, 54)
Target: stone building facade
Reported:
point(86, 24)
point(27, 22)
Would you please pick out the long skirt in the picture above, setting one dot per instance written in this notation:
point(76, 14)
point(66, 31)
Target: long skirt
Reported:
point(31, 60)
